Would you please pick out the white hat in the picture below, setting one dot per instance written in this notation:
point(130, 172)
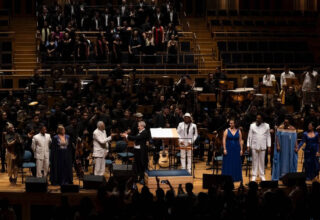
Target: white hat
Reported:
point(139, 115)
point(187, 115)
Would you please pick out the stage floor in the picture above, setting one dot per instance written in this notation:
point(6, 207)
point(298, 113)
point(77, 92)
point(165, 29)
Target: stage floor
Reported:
point(200, 169)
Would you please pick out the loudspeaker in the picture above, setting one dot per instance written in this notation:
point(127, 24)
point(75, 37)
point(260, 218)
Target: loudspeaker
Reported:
point(70, 188)
point(269, 184)
point(34, 184)
point(293, 179)
point(210, 180)
point(93, 182)
point(122, 172)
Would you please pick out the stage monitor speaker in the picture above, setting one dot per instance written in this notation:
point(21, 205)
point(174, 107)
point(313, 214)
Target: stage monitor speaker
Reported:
point(122, 170)
point(224, 181)
point(269, 184)
point(34, 184)
point(69, 188)
point(293, 179)
point(93, 182)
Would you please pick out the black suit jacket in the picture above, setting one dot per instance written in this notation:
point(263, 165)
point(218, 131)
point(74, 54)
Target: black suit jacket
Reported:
point(140, 139)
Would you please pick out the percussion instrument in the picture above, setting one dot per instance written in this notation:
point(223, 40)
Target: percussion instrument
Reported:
point(241, 94)
point(33, 103)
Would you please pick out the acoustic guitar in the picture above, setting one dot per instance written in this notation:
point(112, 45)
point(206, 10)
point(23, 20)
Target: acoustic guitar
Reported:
point(163, 159)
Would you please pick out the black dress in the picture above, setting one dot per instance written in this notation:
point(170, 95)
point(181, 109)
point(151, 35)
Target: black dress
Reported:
point(61, 161)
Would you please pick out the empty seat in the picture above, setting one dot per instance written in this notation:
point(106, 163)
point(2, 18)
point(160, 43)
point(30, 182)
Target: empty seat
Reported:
point(226, 22)
point(237, 22)
point(242, 46)
point(233, 13)
point(215, 22)
point(222, 45)
point(247, 58)
point(222, 13)
point(232, 46)
point(236, 58)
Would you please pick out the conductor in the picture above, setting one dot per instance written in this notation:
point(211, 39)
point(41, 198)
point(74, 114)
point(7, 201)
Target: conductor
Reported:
point(140, 150)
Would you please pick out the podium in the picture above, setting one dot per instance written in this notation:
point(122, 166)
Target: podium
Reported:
point(176, 176)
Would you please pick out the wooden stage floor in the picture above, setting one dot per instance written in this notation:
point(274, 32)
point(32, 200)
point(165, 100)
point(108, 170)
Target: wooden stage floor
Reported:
point(200, 169)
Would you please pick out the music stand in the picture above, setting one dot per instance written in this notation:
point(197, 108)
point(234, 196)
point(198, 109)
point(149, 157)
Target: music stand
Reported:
point(168, 135)
point(267, 90)
point(292, 82)
point(145, 109)
point(207, 97)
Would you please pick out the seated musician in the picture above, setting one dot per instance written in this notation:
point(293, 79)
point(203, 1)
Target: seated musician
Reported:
point(291, 99)
point(267, 80)
point(286, 74)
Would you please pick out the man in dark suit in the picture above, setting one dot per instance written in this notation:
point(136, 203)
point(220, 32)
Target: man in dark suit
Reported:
point(140, 150)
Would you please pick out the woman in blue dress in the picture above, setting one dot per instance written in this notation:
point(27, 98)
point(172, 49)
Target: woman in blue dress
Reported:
point(61, 159)
point(310, 144)
point(232, 151)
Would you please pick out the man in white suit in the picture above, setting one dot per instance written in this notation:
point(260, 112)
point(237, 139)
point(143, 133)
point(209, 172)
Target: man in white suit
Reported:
point(259, 139)
point(100, 148)
point(188, 133)
point(40, 146)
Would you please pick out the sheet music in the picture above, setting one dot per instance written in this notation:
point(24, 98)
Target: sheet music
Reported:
point(164, 133)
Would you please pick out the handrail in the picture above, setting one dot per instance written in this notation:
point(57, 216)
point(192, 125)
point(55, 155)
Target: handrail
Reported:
point(7, 32)
point(146, 70)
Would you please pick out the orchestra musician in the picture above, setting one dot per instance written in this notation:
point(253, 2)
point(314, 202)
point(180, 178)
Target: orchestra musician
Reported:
point(188, 134)
point(268, 80)
point(286, 74)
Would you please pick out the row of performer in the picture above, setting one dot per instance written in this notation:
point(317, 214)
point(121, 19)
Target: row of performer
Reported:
point(57, 152)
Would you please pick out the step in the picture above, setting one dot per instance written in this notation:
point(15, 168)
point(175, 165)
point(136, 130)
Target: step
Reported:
point(24, 52)
point(25, 43)
point(25, 48)
point(18, 55)
point(25, 59)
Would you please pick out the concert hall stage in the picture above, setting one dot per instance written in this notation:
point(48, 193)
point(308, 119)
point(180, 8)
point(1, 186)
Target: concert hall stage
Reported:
point(25, 201)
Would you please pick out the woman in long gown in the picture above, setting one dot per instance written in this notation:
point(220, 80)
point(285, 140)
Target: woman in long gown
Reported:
point(285, 158)
point(61, 159)
point(232, 150)
point(310, 144)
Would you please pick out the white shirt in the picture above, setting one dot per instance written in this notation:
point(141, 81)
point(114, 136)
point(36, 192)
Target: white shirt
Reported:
point(118, 21)
point(100, 143)
point(40, 146)
point(308, 83)
point(106, 20)
point(123, 9)
point(267, 79)
point(171, 16)
point(284, 76)
point(187, 136)
point(259, 137)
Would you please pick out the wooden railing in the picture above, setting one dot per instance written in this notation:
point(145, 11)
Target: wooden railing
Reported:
point(18, 79)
